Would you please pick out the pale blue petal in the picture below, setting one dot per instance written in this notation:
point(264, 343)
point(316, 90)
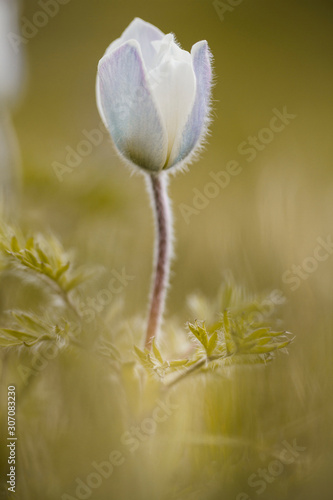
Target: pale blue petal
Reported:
point(144, 33)
point(196, 125)
point(129, 110)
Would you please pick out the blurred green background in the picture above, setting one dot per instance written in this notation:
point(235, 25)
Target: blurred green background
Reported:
point(267, 54)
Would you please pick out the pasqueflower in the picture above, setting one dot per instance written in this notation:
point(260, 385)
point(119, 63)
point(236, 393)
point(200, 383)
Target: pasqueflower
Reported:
point(154, 97)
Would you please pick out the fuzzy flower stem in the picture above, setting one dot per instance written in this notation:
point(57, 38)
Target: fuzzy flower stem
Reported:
point(163, 253)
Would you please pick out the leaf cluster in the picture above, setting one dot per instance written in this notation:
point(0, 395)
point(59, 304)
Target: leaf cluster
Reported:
point(28, 329)
point(44, 256)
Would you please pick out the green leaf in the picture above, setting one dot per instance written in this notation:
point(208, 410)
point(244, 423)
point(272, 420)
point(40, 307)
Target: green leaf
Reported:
point(74, 282)
point(178, 362)
point(141, 355)
point(29, 256)
point(200, 333)
point(30, 321)
point(226, 296)
point(47, 269)
point(22, 336)
point(269, 348)
point(228, 334)
point(145, 359)
point(43, 257)
point(30, 243)
point(256, 334)
point(62, 270)
point(212, 343)
point(157, 352)
point(14, 245)
point(277, 334)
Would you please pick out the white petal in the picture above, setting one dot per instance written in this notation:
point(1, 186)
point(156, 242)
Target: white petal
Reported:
point(196, 126)
point(129, 109)
point(142, 32)
point(174, 87)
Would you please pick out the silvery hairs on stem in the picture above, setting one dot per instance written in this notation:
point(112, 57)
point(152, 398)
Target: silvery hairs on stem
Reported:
point(154, 98)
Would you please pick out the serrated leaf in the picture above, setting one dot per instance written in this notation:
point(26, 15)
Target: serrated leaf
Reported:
point(29, 256)
point(29, 321)
point(200, 333)
point(47, 269)
point(256, 334)
point(22, 336)
point(141, 355)
point(203, 335)
point(30, 243)
point(196, 359)
point(269, 348)
point(74, 282)
point(145, 359)
point(228, 334)
point(212, 343)
point(178, 362)
point(226, 323)
point(194, 330)
point(14, 244)
point(277, 334)
point(43, 257)
point(62, 270)
point(217, 325)
point(262, 341)
point(157, 352)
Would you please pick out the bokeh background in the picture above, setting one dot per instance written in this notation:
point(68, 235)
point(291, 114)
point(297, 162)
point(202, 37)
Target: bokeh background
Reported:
point(267, 54)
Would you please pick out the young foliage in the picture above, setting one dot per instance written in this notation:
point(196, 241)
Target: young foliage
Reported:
point(28, 329)
point(154, 364)
point(40, 254)
point(233, 329)
point(235, 337)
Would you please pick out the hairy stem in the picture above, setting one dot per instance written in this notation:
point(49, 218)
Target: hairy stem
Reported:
point(163, 252)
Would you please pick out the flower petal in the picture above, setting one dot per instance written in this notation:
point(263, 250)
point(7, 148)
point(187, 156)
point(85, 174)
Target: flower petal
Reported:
point(129, 109)
point(173, 84)
point(142, 32)
point(196, 126)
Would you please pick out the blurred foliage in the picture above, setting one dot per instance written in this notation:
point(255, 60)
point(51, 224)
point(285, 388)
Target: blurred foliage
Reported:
point(36, 342)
